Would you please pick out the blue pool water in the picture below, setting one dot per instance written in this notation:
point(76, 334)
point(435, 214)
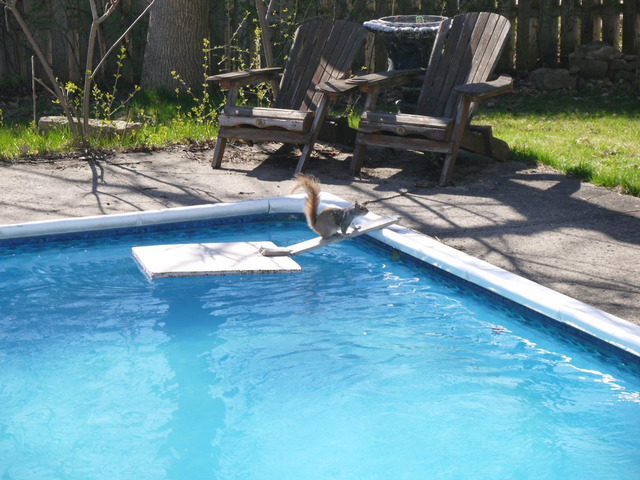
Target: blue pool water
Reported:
point(362, 366)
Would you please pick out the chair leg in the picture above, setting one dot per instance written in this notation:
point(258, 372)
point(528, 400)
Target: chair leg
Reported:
point(218, 152)
point(456, 138)
point(358, 157)
point(314, 131)
point(447, 169)
point(304, 157)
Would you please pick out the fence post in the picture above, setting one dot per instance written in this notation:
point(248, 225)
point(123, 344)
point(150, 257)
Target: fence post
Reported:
point(610, 23)
point(569, 32)
point(630, 28)
point(548, 33)
point(451, 7)
point(381, 62)
point(429, 7)
point(507, 8)
point(528, 24)
point(586, 22)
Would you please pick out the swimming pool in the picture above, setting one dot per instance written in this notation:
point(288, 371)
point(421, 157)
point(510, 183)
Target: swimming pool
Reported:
point(366, 364)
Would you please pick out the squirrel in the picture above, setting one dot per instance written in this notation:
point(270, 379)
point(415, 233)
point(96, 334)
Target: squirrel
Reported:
point(331, 221)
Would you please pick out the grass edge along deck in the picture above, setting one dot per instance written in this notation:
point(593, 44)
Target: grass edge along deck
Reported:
point(559, 307)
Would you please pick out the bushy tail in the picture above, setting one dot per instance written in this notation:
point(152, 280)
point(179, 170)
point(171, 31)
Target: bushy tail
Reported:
point(309, 184)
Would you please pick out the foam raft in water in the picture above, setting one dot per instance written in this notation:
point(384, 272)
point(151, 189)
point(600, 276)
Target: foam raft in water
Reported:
point(203, 259)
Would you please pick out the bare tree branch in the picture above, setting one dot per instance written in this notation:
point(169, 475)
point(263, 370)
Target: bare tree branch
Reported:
point(117, 42)
point(90, 73)
point(108, 10)
point(79, 130)
point(11, 5)
point(46, 87)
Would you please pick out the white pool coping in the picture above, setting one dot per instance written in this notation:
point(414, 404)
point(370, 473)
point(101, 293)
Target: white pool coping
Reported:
point(552, 304)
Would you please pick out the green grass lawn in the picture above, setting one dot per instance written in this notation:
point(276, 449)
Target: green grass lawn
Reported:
point(165, 119)
point(588, 135)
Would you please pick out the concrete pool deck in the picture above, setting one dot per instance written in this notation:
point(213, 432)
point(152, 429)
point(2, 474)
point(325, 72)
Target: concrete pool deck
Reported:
point(573, 237)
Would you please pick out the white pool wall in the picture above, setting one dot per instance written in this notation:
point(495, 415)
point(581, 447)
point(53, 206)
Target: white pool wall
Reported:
point(564, 309)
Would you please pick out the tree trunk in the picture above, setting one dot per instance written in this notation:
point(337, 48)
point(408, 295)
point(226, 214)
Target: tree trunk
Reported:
point(174, 43)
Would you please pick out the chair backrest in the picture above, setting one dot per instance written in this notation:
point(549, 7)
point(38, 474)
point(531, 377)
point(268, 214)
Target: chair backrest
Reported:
point(466, 50)
point(322, 50)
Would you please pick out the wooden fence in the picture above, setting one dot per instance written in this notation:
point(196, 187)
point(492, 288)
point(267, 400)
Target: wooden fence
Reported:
point(548, 31)
point(545, 32)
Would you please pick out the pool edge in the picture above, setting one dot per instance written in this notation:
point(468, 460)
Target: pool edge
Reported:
point(559, 307)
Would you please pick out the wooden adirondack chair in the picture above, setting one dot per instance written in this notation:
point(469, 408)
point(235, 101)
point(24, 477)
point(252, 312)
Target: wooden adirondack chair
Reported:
point(464, 55)
point(322, 50)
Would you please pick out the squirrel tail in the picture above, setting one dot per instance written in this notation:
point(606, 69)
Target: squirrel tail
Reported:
point(311, 186)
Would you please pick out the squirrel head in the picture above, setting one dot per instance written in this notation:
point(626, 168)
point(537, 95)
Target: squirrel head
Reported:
point(360, 208)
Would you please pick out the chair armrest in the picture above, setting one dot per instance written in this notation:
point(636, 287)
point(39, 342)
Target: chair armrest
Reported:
point(335, 88)
point(247, 77)
point(386, 79)
point(480, 91)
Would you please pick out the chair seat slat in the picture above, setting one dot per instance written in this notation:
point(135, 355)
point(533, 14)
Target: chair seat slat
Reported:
point(292, 120)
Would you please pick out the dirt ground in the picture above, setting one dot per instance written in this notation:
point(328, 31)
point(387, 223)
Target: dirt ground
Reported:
point(579, 239)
